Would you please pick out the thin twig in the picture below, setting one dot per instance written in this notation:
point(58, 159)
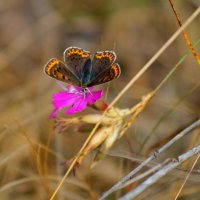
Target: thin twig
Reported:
point(195, 162)
point(152, 157)
point(166, 169)
point(145, 174)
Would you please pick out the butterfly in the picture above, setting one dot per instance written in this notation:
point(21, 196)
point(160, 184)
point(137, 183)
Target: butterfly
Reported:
point(81, 69)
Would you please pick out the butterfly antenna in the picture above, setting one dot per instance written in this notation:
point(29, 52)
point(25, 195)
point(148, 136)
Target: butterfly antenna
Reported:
point(114, 45)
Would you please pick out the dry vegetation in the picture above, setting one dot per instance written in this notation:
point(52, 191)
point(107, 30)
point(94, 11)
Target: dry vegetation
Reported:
point(35, 156)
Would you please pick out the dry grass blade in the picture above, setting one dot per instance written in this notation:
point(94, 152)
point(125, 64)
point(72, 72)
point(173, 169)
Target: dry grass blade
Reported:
point(136, 110)
point(185, 35)
point(187, 176)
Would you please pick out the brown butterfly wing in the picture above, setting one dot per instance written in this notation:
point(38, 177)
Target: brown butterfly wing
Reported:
point(107, 75)
point(56, 69)
point(78, 61)
point(101, 61)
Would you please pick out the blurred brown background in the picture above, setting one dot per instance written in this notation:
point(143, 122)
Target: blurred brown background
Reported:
point(33, 31)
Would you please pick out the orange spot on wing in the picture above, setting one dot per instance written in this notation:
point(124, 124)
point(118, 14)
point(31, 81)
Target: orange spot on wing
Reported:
point(116, 70)
point(98, 56)
point(51, 64)
point(79, 52)
point(105, 54)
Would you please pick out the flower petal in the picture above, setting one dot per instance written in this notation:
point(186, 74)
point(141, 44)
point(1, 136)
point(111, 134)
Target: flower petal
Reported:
point(76, 97)
point(53, 113)
point(64, 99)
point(78, 106)
point(94, 96)
point(73, 89)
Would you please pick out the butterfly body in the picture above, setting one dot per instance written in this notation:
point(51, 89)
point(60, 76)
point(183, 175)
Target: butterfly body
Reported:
point(80, 69)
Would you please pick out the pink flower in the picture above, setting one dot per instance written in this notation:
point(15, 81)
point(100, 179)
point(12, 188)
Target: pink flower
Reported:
point(75, 97)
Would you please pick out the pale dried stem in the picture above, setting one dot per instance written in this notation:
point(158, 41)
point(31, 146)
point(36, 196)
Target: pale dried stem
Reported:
point(120, 184)
point(158, 175)
point(195, 162)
